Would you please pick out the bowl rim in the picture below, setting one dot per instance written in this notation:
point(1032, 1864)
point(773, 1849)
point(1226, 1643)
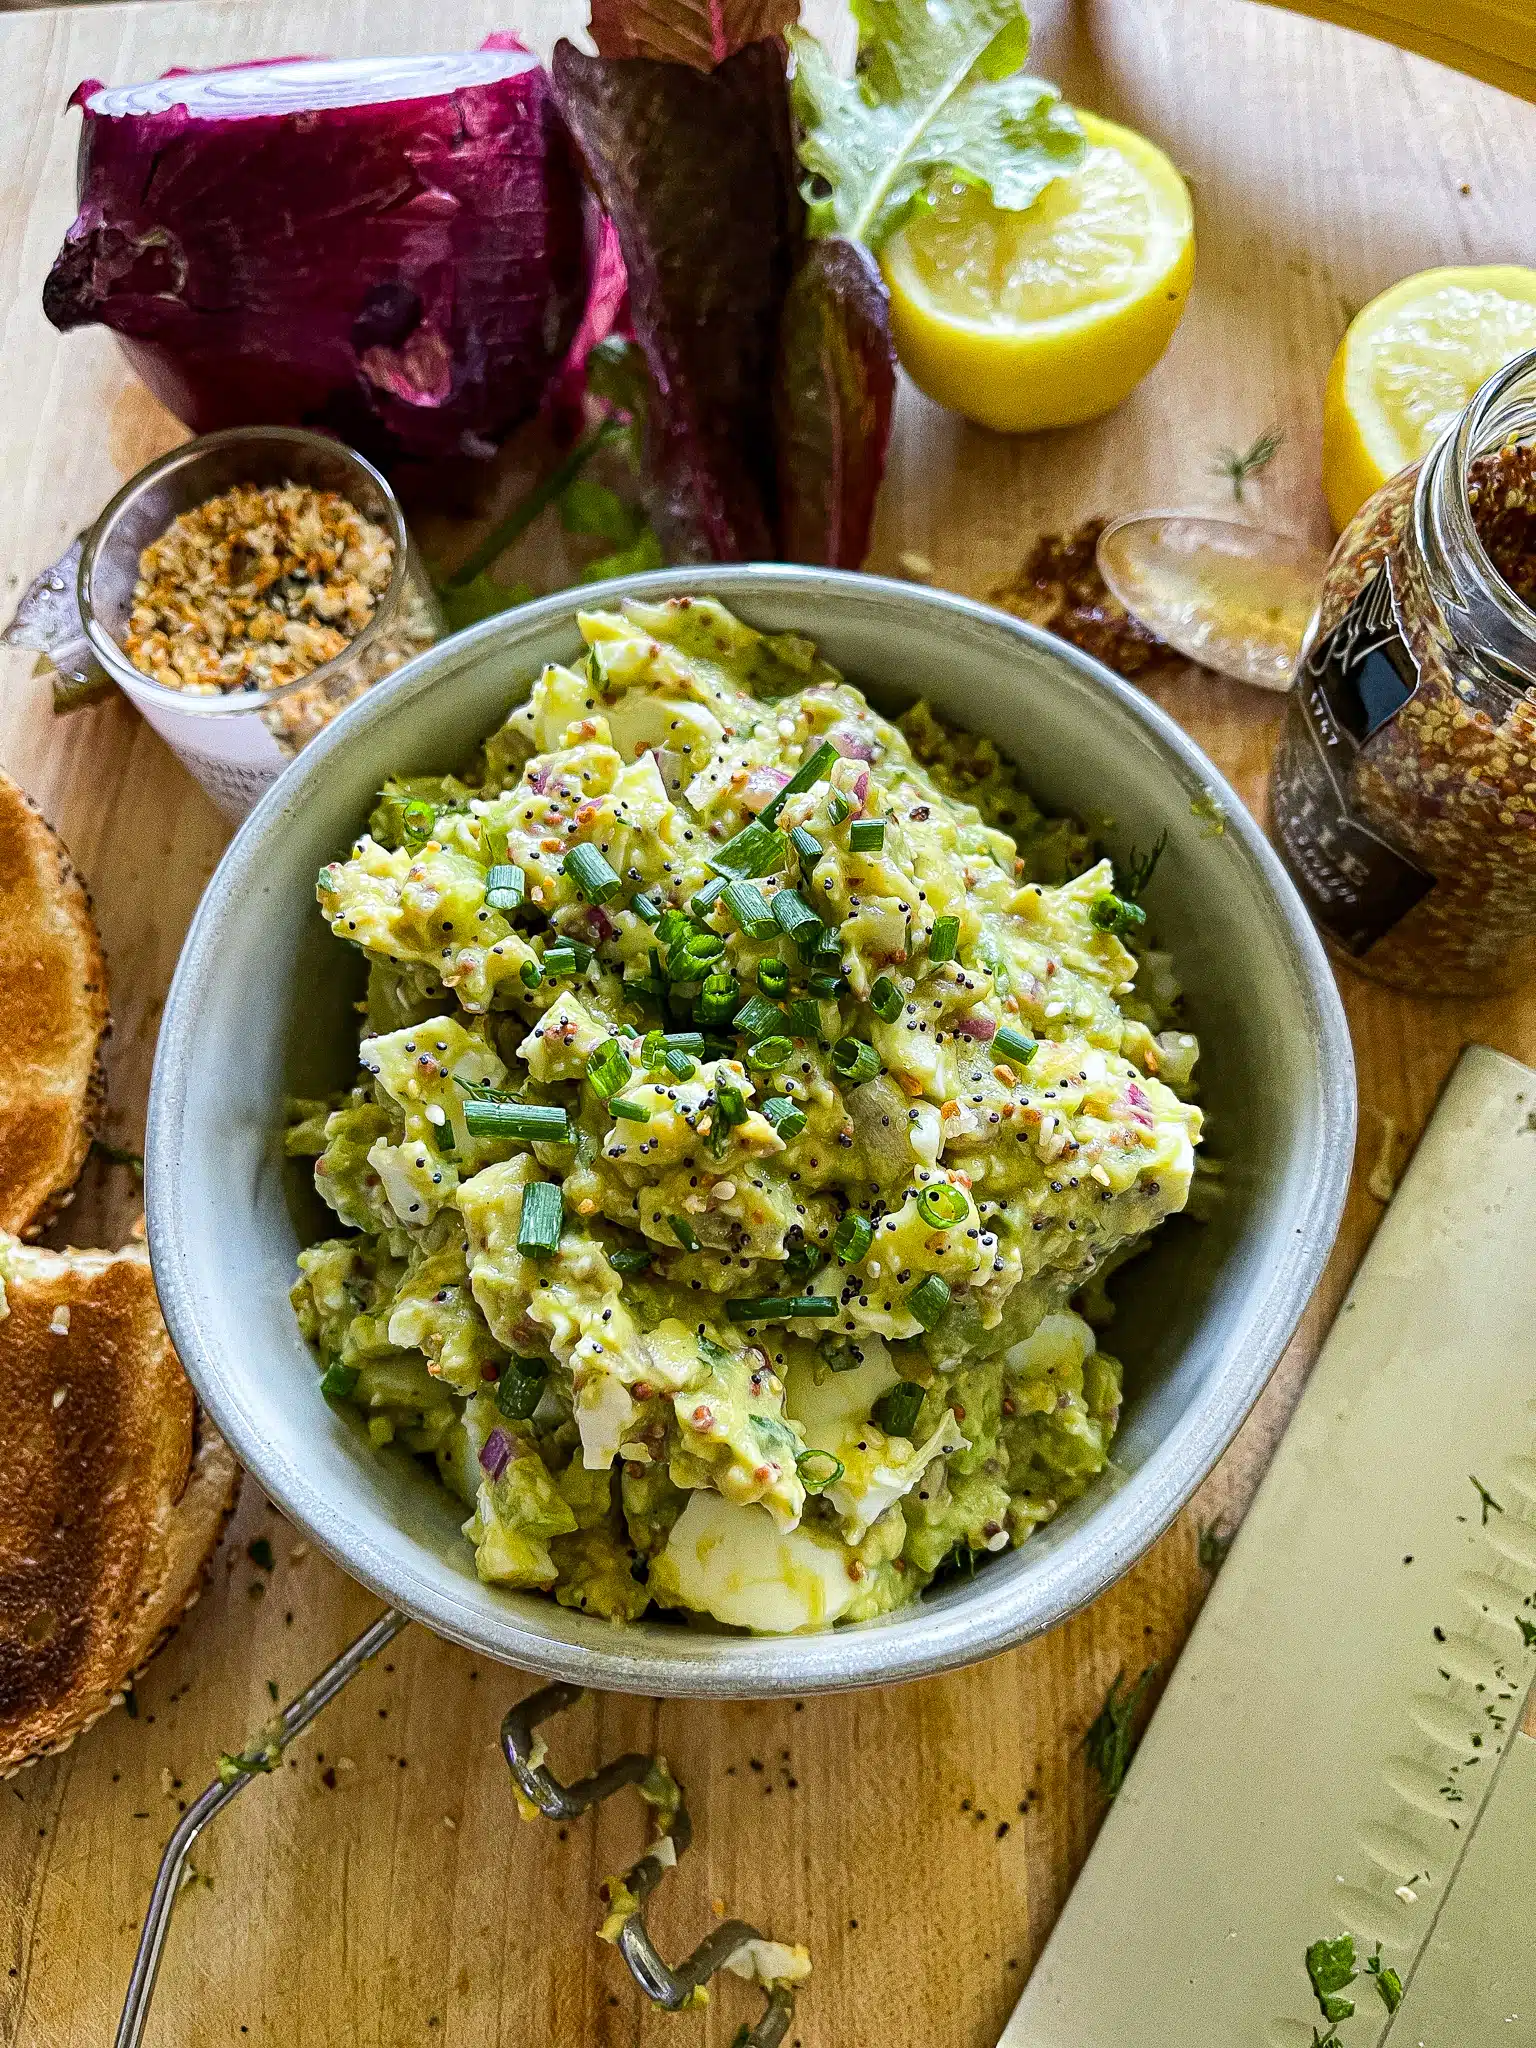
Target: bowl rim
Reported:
point(917, 1640)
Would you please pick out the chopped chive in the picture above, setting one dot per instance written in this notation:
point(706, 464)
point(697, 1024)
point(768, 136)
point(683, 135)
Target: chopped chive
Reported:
point(773, 976)
point(807, 845)
point(818, 1470)
point(678, 1064)
point(338, 1381)
point(531, 1122)
point(717, 998)
point(853, 1237)
point(855, 1060)
point(1116, 914)
point(1015, 1044)
point(771, 1051)
point(866, 835)
point(757, 1017)
point(838, 807)
point(685, 1233)
point(887, 1000)
point(629, 1259)
point(503, 887)
point(588, 868)
point(645, 906)
point(748, 907)
point(520, 1387)
point(806, 776)
point(943, 939)
point(774, 1308)
point(608, 1067)
point(417, 819)
point(756, 850)
point(708, 896)
point(539, 1226)
point(530, 974)
point(795, 917)
point(929, 1302)
point(787, 1117)
point(629, 1112)
point(897, 1409)
point(942, 1206)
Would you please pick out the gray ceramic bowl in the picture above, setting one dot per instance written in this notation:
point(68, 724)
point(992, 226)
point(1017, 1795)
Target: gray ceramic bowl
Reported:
point(260, 1008)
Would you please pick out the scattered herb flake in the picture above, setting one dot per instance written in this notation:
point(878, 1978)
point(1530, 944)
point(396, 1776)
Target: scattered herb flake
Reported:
point(1240, 465)
point(1212, 1547)
point(1489, 1504)
point(1331, 1970)
point(1110, 1741)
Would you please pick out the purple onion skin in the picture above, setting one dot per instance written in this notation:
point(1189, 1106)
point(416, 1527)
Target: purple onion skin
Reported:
point(408, 275)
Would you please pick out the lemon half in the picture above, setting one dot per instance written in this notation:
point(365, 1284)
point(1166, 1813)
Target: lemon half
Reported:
point(1051, 316)
point(1409, 363)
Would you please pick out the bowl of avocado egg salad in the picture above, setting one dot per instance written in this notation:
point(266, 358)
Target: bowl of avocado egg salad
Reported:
point(743, 1130)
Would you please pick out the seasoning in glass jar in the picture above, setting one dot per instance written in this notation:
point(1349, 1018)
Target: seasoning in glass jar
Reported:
point(1403, 794)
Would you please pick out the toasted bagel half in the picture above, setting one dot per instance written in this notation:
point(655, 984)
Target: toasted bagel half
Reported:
point(53, 1018)
point(114, 1489)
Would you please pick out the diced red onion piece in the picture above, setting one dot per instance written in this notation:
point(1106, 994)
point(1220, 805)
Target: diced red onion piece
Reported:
point(496, 1453)
point(762, 786)
point(852, 744)
point(601, 926)
point(976, 1026)
point(538, 781)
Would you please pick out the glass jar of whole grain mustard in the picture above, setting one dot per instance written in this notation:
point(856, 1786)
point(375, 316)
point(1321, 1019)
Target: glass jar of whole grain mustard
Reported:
point(1403, 796)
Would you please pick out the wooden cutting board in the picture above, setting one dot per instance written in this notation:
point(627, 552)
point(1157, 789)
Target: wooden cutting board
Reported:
point(921, 1839)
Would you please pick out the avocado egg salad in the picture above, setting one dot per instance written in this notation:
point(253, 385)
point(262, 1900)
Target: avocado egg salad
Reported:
point(749, 1087)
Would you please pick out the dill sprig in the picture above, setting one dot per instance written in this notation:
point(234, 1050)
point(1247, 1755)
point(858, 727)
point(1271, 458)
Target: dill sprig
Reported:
point(1140, 867)
point(1110, 1741)
point(1240, 465)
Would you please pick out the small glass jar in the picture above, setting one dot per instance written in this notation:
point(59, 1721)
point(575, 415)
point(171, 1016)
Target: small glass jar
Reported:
point(238, 743)
point(1403, 795)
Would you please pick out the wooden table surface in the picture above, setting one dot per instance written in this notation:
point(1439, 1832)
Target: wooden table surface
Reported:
point(920, 1839)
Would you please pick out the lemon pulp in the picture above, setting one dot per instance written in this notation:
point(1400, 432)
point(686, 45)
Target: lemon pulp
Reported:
point(1050, 316)
point(1409, 363)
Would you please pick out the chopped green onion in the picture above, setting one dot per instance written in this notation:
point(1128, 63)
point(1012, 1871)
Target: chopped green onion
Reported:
point(829, 946)
point(608, 1067)
point(897, 1409)
point(689, 960)
point(630, 1112)
point(1015, 1044)
point(943, 939)
point(416, 822)
point(838, 807)
point(929, 1302)
point(730, 1104)
point(325, 881)
point(655, 1045)
point(539, 1226)
point(775, 1308)
point(443, 1138)
point(757, 1017)
point(587, 867)
point(338, 1381)
point(748, 907)
point(708, 896)
point(645, 988)
point(503, 887)
point(756, 850)
point(645, 906)
point(678, 1064)
point(827, 985)
point(853, 1237)
point(530, 974)
point(629, 1259)
point(866, 835)
point(810, 772)
point(1116, 914)
point(795, 917)
point(717, 998)
point(942, 1206)
point(807, 845)
point(559, 960)
point(672, 926)
point(772, 1051)
point(855, 1060)
point(519, 1389)
point(685, 1233)
point(887, 1000)
point(805, 1017)
point(543, 1123)
point(818, 1470)
point(493, 841)
point(773, 976)
point(787, 1117)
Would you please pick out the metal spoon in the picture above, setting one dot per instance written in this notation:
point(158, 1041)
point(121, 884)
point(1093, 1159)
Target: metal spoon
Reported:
point(1234, 598)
